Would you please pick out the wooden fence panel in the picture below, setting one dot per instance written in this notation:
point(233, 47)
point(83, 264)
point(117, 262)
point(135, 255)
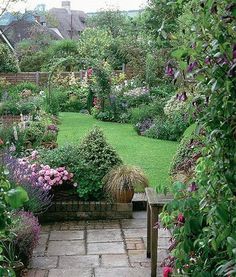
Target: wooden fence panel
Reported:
point(41, 78)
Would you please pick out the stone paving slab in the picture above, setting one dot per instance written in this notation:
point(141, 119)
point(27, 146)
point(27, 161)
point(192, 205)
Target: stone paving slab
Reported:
point(62, 248)
point(78, 261)
point(101, 235)
point(134, 233)
point(140, 215)
point(66, 235)
point(115, 248)
point(122, 272)
point(133, 223)
point(82, 272)
point(41, 247)
point(115, 260)
point(37, 273)
point(44, 262)
point(106, 248)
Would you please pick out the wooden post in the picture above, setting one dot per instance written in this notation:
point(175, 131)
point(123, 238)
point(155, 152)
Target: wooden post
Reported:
point(148, 231)
point(37, 78)
point(155, 204)
point(154, 240)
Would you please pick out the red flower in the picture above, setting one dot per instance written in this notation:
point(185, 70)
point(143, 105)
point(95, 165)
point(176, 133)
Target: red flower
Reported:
point(167, 270)
point(181, 218)
point(90, 72)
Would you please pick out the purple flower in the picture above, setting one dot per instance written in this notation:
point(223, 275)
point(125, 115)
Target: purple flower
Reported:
point(52, 128)
point(222, 60)
point(193, 187)
point(170, 71)
point(192, 66)
point(208, 60)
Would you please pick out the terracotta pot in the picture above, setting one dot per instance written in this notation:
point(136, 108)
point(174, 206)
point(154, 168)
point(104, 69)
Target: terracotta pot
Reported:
point(124, 196)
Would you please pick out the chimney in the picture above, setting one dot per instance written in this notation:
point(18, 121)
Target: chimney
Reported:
point(66, 5)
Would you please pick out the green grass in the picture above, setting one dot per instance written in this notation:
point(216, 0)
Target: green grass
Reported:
point(153, 156)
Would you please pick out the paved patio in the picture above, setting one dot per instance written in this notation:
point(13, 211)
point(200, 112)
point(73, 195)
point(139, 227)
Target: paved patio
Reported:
point(96, 249)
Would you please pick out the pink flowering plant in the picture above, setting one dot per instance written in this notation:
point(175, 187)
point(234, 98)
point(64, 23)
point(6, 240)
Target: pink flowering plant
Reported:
point(44, 176)
point(37, 179)
point(49, 177)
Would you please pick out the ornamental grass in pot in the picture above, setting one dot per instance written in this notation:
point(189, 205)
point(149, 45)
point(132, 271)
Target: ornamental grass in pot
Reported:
point(121, 182)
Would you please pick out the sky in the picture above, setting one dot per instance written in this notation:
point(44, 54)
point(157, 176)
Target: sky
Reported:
point(84, 5)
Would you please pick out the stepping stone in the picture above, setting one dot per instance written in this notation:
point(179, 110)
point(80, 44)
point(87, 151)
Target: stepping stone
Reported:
point(43, 262)
point(82, 272)
point(78, 261)
point(115, 261)
point(62, 248)
point(124, 272)
point(103, 235)
point(106, 248)
point(66, 235)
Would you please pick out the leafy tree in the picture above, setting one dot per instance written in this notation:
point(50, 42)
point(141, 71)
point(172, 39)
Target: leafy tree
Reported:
point(61, 50)
point(8, 61)
point(113, 21)
point(93, 45)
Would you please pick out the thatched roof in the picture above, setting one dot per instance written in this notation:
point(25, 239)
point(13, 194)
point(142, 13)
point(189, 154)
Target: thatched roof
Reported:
point(22, 29)
point(70, 23)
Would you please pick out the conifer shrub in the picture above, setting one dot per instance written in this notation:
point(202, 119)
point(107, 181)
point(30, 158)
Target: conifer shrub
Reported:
point(96, 158)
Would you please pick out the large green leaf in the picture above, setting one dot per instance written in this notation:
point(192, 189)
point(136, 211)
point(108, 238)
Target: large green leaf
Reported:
point(16, 197)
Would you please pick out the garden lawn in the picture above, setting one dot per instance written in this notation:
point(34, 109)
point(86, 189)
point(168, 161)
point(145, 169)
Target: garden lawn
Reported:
point(153, 156)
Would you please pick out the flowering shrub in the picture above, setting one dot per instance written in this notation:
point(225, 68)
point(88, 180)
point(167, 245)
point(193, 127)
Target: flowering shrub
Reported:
point(37, 179)
point(48, 177)
point(137, 92)
point(27, 230)
point(21, 173)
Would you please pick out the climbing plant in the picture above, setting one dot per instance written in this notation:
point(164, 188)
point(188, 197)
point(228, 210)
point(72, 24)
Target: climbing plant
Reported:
point(203, 213)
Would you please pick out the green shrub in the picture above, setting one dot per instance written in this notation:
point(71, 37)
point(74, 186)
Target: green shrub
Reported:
point(168, 128)
point(66, 155)
point(97, 158)
point(146, 111)
point(17, 107)
point(26, 85)
point(163, 91)
point(51, 103)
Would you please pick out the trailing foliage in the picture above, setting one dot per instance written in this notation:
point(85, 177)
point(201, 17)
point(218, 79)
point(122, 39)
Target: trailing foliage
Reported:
point(204, 215)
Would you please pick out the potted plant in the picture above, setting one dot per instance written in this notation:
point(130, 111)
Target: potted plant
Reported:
point(121, 181)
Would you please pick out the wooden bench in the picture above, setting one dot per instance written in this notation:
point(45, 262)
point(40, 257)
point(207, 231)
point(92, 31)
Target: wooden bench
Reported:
point(155, 203)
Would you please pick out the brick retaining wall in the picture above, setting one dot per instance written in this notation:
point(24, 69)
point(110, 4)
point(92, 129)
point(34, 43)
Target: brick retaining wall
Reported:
point(77, 210)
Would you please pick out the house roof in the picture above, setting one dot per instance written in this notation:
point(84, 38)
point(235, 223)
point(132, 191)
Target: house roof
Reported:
point(21, 29)
point(70, 23)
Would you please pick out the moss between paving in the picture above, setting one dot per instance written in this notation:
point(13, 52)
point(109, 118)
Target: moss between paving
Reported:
point(153, 156)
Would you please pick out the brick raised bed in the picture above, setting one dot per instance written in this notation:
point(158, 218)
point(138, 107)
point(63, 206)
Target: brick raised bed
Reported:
point(77, 210)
